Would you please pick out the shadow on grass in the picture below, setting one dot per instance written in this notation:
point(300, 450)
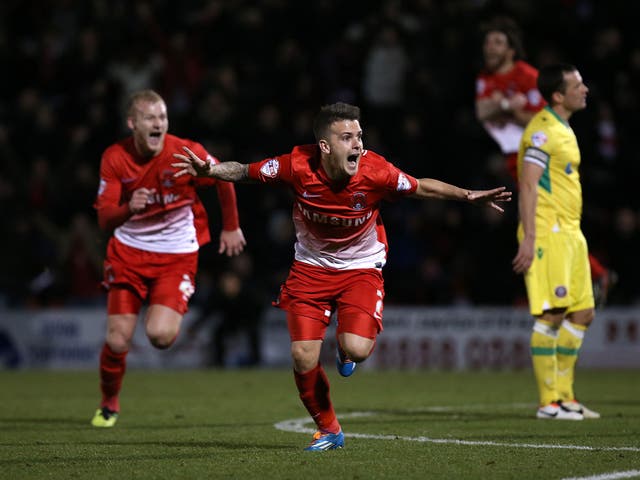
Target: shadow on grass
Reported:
point(24, 423)
point(203, 447)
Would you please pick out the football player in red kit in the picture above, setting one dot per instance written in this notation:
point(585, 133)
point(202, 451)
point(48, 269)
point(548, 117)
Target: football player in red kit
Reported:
point(158, 224)
point(506, 93)
point(341, 245)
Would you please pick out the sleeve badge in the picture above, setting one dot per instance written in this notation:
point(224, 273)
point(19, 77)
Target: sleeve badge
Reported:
point(270, 168)
point(538, 139)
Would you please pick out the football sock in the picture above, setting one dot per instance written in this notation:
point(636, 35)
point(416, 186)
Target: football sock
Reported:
point(112, 368)
point(570, 338)
point(314, 393)
point(543, 356)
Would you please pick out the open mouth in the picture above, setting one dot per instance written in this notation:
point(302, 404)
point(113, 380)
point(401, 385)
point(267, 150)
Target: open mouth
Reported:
point(155, 138)
point(352, 160)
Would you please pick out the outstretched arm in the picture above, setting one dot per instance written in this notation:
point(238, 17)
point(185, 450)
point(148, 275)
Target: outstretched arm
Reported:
point(193, 165)
point(431, 188)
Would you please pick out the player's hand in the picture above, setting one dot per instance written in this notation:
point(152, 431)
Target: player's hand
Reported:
point(232, 242)
point(490, 197)
point(191, 164)
point(140, 198)
point(524, 258)
point(517, 101)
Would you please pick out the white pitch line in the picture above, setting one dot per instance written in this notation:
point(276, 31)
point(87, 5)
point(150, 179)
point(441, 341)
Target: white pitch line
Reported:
point(296, 425)
point(609, 476)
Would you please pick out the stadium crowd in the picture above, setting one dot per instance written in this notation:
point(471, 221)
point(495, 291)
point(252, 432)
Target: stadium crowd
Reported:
point(245, 78)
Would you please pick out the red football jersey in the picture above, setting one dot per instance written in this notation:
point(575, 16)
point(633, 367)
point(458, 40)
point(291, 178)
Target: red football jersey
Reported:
point(175, 220)
point(521, 78)
point(339, 229)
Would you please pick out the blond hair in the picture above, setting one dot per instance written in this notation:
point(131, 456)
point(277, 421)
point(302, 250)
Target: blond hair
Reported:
point(150, 96)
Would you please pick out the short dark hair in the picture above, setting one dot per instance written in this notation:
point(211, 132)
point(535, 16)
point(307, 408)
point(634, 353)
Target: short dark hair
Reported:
point(329, 114)
point(551, 79)
point(510, 29)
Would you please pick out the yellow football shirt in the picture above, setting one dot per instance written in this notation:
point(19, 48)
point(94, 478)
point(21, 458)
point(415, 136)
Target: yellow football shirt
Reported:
point(548, 141)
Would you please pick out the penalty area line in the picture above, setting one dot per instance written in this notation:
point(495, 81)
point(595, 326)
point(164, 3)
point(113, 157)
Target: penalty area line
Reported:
point(297, 425)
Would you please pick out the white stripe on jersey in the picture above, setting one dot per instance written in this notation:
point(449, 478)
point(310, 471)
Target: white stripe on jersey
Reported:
point(364, 251)
point(170, 231)
point(507, 136)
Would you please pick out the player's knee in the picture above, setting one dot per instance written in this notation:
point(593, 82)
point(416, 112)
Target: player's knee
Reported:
point(357, 353)
point(586, 317)
point(357, 348)
point(162, 339)
point(590, 318)
point(304, 358)
point(118, 342)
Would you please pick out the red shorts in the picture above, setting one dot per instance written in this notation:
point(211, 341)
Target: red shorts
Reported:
point(311, 294)
point(132, 275)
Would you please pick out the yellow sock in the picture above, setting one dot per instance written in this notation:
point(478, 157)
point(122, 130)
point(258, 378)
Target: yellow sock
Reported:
point(543, 356)
point(570, 338)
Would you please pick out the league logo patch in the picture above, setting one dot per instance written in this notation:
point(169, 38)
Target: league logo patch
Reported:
point(561, 291)
point(359, 201)
point(270, 168)
point(102, 186)
point(538, 139)
point(403, 183)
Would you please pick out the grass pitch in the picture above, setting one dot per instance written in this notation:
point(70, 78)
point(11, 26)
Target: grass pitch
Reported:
point(399, 425)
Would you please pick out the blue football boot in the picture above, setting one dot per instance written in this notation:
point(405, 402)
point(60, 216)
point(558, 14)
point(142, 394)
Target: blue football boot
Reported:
point(345, 366)
point(326, 441)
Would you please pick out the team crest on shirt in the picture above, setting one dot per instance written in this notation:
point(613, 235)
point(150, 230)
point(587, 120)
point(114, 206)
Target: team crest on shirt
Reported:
point(403, 183)
point(560, 291)
point(538, 138)
point(270, 168)
point(359, 201)
point(167, 179)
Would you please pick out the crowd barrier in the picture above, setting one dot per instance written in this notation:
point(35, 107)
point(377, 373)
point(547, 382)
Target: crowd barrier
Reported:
point(413, 338)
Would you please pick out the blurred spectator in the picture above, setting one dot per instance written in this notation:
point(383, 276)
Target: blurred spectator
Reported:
point(237, 74)
point(385, 69)
point(235, 306)
point(81, 263)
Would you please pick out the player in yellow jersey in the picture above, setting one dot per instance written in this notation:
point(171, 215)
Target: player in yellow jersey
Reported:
point(552, 251)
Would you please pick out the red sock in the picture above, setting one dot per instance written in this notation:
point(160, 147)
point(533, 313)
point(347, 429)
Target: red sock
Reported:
point(112, 368)
point(314, 393)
